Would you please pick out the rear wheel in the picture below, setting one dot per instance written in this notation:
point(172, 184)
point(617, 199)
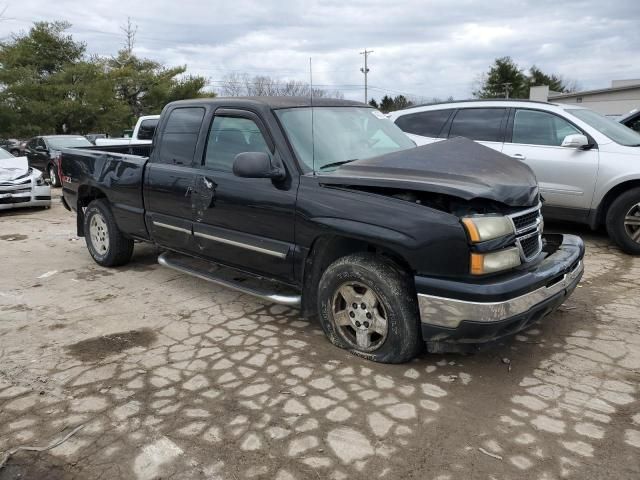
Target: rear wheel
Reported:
point(623, 221)
point(105, 242)
point(368, 306)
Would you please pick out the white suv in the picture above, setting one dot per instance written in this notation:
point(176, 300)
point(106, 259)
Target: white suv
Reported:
point(588, 166)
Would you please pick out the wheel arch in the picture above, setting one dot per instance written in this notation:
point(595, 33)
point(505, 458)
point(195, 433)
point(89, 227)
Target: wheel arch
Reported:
point(86, 195)
point(601, 214)
point(325, 250)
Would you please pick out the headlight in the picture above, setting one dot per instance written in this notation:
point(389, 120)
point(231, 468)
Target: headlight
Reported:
point(484, 228)
point(40, 180)
point(484, 263)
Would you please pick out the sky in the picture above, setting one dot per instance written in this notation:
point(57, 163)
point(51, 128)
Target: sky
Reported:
point(425, 49)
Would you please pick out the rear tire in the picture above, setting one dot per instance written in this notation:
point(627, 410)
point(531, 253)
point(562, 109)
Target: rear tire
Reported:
point(368, 306)
point(623, 221)
point(105, 242)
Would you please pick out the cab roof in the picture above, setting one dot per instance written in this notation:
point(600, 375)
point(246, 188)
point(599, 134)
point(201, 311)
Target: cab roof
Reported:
point(273, 103)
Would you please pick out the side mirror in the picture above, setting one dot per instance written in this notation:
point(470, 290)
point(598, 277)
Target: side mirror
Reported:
point(256, 165)
point(40, 148)
point(575, 141)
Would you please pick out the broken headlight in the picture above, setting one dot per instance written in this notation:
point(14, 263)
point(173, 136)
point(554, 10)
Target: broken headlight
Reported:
point(40, 180)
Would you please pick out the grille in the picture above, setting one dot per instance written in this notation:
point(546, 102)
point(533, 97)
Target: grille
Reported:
point(530, 245)
point(14, 200)
point(527, 220)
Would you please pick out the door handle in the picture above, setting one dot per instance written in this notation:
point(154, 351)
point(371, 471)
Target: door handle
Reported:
point(518, 156)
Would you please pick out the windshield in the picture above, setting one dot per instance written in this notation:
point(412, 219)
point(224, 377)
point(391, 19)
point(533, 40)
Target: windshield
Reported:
point(340, 134)
point(4, 154)
point(612, 129)
point(68, 142)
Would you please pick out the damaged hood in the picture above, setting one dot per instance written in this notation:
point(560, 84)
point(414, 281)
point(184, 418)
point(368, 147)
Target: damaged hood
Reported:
point(13, 168)
point(459, 167)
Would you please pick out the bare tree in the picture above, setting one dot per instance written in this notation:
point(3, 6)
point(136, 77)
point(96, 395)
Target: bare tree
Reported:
point(129, 31)
point(242, 84)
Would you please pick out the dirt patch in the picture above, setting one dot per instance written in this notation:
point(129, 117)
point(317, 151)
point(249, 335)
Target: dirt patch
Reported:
point(13, 237)
point(90, 275)
point(101, 347)
point(25, 465)
point(104, 298)
point(57, 326)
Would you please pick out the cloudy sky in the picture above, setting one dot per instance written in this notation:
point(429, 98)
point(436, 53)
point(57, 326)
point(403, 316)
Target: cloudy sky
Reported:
point(428, 48)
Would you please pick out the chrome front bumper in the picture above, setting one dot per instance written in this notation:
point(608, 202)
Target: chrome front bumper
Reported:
point(450, 313)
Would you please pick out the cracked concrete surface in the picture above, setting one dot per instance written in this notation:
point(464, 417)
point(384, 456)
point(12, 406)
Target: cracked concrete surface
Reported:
point(173, 377)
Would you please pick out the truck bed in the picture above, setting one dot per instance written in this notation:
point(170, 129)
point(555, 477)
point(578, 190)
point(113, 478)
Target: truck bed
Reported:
point(115, 170)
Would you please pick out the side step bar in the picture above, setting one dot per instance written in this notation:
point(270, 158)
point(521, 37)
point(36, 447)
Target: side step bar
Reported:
point(189, 265)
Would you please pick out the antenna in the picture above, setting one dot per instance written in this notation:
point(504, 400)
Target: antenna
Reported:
point(313, 143)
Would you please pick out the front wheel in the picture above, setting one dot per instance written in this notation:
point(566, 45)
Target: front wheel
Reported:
point(105, 242)
point(623, 221)
point(368, 306)
point(53, 176)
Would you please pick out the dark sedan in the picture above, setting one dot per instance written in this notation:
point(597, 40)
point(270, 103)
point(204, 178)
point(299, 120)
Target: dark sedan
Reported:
point(43, 153)
point(11, 145)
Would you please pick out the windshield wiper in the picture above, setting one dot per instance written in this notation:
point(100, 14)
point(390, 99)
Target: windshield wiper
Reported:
point(336, 164)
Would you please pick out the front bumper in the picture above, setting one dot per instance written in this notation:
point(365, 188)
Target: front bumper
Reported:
point(490, 309)
point(25, 195)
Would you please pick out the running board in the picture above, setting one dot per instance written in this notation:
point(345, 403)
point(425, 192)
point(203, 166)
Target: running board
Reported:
point(215, 273)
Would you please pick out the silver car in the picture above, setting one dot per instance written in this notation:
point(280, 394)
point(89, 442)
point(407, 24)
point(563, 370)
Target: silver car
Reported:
point(587, 165)
point(21, 185)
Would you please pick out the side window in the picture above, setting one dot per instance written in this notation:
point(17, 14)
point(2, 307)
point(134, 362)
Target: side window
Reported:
point(427, 124)
point(478, 124)
point(147, 129)
point(32, 143)
point(180, 135)
point(41, 143)
point(230, 136)
point(540, 128)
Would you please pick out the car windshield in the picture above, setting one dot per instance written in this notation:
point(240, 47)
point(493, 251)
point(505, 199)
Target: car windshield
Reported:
point(340, 134)
point(4, 154)
point(612, 129)
point(68, 142)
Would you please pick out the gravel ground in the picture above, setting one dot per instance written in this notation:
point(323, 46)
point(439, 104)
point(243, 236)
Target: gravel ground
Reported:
point(172, 377)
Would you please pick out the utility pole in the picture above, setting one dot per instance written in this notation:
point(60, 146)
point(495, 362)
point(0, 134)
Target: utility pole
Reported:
point(365, 70)
point(507, 88)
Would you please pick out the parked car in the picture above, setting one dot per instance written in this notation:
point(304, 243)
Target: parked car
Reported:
point(92, 137)
point(588, 166)
point(631, 120)
point(142, 133)
point(21, 185)
point(43, 152)
point(11, 145)
point(389, 243)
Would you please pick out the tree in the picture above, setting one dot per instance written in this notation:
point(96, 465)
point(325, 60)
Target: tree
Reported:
point(373, 103)
point(390, 104)
point(386, 104)
point(242, 84)
point(505, 76)
point(504, 79)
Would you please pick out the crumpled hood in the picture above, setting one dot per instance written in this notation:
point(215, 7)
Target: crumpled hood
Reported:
point(459, 167)
point(13, 168)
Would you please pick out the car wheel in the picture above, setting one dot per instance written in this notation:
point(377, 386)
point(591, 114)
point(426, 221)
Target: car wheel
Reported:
point(53, 176)
point(368, 306)
point(623, 221)
point(105, 242)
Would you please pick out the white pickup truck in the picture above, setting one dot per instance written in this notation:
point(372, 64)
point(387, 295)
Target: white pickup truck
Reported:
point(142, 133)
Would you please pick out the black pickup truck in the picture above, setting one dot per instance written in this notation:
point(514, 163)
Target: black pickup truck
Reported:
point(332, 209)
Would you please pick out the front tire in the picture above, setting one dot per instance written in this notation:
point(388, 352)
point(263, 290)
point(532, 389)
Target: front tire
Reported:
point(53, 176)
point(368, 306)
point(105, 242)
point(623, 221)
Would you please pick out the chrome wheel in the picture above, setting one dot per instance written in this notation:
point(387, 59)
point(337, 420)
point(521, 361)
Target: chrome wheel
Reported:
point(632, 223)
point(52, 176)
point(360, 317)
point(99, 234)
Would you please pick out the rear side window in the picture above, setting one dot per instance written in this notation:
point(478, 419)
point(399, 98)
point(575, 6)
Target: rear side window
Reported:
point(426, 124)
point(482, 124)
point(180, 135)
point(230, 136)
point(147, 129)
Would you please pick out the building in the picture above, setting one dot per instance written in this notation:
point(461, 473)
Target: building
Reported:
point(622, 97)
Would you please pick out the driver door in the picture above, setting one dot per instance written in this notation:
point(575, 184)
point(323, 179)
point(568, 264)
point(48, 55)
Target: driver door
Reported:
point(567, 176)
point(247, 223)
